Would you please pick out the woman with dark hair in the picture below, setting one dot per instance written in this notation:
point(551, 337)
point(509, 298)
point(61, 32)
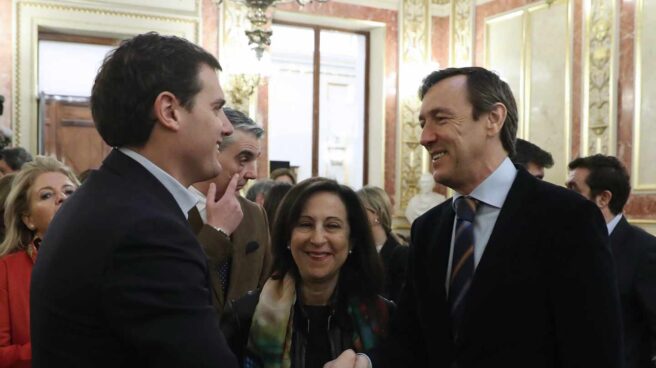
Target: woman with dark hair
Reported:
point(273, 200)
point(323, 295)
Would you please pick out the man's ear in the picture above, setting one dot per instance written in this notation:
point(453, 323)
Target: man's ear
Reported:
point(495, 119)
point(166, 112)
point(603, 199)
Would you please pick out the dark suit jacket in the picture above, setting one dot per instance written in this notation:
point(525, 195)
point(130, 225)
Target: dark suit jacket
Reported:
point(249, 247)
point(634, 251)
point(121, 280)
point(395, 262)
point(544, 293)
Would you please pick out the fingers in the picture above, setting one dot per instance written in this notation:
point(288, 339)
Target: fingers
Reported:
point(345, 360)
point(232, 186)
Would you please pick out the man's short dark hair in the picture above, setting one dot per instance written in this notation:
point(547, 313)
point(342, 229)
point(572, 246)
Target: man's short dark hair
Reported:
point(484, 89)
point(526, 152)
point(15, 157)
point(134, 74)
point(606, 173)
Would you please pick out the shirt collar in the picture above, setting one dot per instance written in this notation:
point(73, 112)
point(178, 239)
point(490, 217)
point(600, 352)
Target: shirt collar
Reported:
point(613, 223)
point(494, 189)
point(182, 196)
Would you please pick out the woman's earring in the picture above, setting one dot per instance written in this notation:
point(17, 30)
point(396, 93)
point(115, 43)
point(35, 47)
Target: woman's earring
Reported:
point(289, 246)
point(350, 251)
point(376, 220)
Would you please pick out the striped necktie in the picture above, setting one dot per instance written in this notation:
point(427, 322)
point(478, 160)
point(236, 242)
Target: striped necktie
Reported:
point(462, 265)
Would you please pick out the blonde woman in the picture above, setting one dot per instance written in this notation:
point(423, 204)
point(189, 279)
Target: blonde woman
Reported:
point(37, 192)
point(391, 249)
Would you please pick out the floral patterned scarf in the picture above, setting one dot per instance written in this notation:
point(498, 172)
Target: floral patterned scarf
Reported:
point(270, 336)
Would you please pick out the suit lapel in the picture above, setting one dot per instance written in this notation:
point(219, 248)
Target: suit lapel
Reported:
point(618, 236)
point(439, 251)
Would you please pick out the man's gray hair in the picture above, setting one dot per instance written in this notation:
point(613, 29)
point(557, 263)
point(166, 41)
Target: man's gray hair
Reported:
point(260, 186)
point(240, 122)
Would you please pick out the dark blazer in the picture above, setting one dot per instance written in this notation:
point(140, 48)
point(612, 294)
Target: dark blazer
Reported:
point(634, 251)
point(395, 262)
point(544, 293)
point(121, 280)
point(249, 249)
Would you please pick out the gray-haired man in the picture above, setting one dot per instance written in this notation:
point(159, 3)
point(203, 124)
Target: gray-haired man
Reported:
point(236, 242)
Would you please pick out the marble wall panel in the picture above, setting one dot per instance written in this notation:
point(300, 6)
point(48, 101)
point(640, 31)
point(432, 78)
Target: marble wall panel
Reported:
point(440, 41)
point(210, 31)
point(644, 152)
point(547, 118)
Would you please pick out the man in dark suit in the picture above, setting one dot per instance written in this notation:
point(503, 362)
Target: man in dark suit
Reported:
point(238, 248)
point(512, 271)
point(604, 181)
point(531, 157)
point(121, 279)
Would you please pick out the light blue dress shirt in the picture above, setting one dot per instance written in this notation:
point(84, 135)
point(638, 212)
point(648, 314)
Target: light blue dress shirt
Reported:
point(613, 223)
point(185, 200)
point(491, 194)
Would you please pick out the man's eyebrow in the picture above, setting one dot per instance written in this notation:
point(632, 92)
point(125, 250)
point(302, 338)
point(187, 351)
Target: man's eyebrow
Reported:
point(434, 111)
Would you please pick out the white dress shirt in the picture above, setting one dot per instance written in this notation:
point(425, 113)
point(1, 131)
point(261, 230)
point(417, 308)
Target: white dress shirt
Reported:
point(183, 198)
point(202, 202)
point(491, 194)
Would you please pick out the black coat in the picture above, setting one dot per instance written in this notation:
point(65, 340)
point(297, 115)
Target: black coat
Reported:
point(238, 316)
point(121, 280)
point(634, 251)
point(544, 293)
point(395, 263)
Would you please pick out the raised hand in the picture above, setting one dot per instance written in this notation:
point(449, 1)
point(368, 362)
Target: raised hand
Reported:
point(225, 213)
point(349, 359)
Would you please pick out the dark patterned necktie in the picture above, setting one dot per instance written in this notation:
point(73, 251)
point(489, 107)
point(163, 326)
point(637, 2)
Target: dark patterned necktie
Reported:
point(462, 265)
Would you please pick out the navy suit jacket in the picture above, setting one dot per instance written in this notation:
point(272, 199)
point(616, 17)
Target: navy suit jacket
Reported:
point(634, 251)
point(544, 293)
point(121, 280)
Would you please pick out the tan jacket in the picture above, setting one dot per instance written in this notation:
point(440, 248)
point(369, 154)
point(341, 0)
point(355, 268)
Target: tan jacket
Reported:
point(250, 248)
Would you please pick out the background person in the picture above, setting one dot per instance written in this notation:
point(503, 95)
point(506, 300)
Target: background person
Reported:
point(391, 249)
point(12, 159)
point(237, 243)
point(604, 181)
point(38, 192)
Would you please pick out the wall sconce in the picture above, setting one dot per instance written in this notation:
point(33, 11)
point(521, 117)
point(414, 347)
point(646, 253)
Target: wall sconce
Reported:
point(259, 37)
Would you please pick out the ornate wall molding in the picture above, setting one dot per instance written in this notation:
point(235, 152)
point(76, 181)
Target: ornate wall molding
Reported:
point(31, 16)
point(415, 31)
point(600, 70)
point(461, 32)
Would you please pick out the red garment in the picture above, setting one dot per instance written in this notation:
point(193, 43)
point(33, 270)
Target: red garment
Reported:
point(15, 275)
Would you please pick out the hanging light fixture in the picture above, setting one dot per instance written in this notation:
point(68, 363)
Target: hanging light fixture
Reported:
point(259, 36)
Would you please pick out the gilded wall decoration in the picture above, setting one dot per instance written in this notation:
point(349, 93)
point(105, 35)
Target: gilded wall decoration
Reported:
point(600, 75)
point(415, 26)
point(462, 30)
